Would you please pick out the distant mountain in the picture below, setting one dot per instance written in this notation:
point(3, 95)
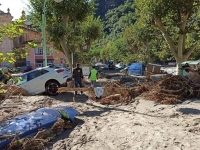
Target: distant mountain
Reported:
point(105, 5)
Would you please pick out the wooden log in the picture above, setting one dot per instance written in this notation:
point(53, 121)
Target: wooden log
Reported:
point(113, 96)
point(111, 89)
point(123, 91)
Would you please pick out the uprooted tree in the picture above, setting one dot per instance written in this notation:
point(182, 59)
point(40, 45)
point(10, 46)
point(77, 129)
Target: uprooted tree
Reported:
point(178, 22)
point(64, 21)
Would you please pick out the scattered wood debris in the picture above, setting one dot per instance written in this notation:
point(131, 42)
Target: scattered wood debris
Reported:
point(12, 90)
point(41, 138)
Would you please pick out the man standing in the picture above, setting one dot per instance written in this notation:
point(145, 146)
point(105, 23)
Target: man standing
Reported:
point(93, 76)
point(78, 76)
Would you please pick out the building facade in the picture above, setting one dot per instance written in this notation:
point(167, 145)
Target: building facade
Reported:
point(35, 56)
point(7, 44)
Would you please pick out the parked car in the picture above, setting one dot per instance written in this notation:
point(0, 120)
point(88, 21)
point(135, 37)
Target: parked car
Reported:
point(106, 66)
point(25, 68)
point(119, 66)
point(98, 68)
point(45, 79)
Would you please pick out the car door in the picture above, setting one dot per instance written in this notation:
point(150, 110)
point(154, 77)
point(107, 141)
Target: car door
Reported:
point(37, 81)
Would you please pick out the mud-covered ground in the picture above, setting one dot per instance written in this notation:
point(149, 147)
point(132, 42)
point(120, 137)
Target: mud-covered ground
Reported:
point(139, 125)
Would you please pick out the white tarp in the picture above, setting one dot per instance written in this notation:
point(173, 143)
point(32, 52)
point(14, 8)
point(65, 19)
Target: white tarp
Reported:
point(86, 70)
point(98, 91)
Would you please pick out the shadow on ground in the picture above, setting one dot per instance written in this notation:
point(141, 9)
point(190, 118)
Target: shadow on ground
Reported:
point(68, 97)
point(190, 111)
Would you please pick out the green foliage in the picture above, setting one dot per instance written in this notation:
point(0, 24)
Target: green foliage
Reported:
point(15, 80)
point(11, 30)
point(104, 6)
point(177, 20)
point(71, 25)
point(118, 18)
point(32, 44)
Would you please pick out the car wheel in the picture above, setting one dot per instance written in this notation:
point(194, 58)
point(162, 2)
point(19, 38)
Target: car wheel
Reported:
point(52, 88)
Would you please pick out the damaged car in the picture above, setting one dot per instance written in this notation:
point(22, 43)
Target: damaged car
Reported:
point(46, 79)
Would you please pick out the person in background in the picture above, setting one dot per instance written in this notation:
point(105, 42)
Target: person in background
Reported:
point(78, 76)
point(93, 76)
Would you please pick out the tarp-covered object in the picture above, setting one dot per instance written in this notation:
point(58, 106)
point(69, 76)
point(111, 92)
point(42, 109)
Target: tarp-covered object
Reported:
point(27, 125)
point(136, 69)
point(192, 64)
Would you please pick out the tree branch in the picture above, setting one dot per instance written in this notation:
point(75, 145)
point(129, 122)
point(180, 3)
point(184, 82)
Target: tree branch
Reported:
point(189, 52)
point(65, 51)
point(160, 26)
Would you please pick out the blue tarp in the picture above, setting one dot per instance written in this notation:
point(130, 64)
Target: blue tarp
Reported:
point(28, 124)
point(136, 69)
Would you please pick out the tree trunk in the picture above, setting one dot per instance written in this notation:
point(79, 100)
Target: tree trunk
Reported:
point(148, 51)
point(66, 53)
point(178, 65)
point(179, 52)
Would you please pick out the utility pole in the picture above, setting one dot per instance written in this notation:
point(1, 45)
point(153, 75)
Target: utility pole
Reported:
point(44, 47)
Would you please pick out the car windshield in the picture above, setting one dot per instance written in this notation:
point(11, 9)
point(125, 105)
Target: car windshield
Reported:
point(20, 79)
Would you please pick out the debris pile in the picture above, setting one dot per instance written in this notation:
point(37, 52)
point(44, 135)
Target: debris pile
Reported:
point(8, 90)
point(168, 90)
point(173, 88)
point(119, 94)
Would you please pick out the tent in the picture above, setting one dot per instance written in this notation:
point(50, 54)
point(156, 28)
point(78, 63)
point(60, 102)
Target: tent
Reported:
point(136, 69)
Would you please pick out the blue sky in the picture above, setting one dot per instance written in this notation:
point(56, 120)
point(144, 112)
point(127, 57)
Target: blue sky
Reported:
point(16, 7)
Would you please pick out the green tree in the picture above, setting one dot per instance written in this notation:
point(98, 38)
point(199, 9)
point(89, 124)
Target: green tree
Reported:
point(13, 30)
point(118, 18)
point(178, 21)
point(64, 23)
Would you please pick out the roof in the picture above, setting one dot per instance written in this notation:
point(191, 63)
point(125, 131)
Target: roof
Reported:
point(193, 62)
point(3, 13)
point(30, 29)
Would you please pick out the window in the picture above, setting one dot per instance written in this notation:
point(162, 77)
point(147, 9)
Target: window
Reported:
point(39, 51)
point(39, 64)
point(48, 51)
point(20, 79)
point(36, 73)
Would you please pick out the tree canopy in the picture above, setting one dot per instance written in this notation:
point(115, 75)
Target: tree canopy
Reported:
point(178, 21)
point(70, 24)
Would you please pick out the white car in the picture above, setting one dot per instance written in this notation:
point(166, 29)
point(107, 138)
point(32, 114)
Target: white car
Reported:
point(45, 79)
